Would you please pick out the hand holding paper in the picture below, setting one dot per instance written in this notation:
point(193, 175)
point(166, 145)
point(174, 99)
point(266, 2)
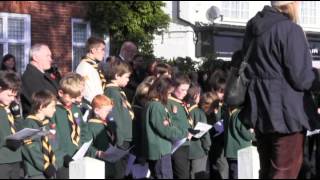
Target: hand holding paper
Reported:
point(203, 128)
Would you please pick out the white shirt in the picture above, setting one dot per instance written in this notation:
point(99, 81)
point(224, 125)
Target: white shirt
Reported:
point(93, 84)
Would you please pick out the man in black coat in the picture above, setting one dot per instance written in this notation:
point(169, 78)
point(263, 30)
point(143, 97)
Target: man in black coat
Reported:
point(281, 74)
point(35, 77)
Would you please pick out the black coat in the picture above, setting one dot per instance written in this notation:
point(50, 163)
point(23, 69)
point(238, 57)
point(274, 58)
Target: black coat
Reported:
point(281, 73)
point(33, 81)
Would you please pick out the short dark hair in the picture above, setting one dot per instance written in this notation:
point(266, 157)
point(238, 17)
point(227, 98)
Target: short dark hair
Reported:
point(10, 80)
point(41, 99)
point(93, 42)
point(160, 89)
point(162, 68)
point(115, 66)
point(180, 79)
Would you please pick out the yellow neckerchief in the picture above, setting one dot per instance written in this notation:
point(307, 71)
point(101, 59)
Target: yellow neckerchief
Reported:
point(42, 122)
point(95, 65)
point(10, 118)
point(98, 121)
point(190, 120)
point(234, 111)
point(193, 107)
point(124, 99)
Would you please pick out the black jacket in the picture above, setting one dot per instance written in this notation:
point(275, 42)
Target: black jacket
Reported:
point(281, 73)
point(33, 81)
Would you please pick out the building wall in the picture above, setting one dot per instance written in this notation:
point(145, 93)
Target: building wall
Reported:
point(50, 24)
point(179, 40)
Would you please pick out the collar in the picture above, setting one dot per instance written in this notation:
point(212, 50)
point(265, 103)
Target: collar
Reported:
point(175, 99)
point(91, 59)
point(112, 85)
point(40, 122)
point(98, 121)
point(193, 107)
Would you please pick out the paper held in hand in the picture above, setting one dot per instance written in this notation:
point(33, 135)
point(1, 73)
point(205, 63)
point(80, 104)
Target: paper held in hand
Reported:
point(203, 128)
point(177, 144)
point(82, 151)
point(24, 134)
point(114, 154)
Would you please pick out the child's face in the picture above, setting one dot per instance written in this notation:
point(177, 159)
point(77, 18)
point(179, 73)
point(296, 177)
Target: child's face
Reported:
point(66, 99)
point(123, 80)
point(7, 97)
point(220, 94)
point(49, 110)
point(103, 112)
point(181, 91)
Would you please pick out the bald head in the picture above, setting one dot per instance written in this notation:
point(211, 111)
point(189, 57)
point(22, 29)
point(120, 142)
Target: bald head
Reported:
point(128, 51)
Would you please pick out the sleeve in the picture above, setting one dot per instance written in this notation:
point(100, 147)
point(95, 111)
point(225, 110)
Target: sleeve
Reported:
point(33, 155)
point(298, 60)
point(243, 130)
point(93, 84)
point(170, 133)
point(91, 135)
point(205, 140)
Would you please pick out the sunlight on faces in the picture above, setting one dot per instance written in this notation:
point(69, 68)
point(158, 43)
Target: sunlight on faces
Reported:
point(68, 100)
point(99, 52)
point(103, 112)
point(49, 110)
point(123, 80)
point(44, 58)
point(181, 91)
point(7, 96)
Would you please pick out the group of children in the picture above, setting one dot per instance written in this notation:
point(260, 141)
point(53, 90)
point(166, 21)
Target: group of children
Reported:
point(166, 108)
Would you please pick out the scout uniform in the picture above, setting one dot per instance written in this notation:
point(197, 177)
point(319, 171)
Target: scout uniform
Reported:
point(95, 82)
point(71, 129)
point(181, 119)
point(199, 148)
point(159, 131)
point(9, 159)
point(103, 134)
point(238, 137)
point(122, 114)
point(38, 154)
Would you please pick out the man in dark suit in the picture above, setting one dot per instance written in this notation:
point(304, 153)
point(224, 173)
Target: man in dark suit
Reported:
point(35, 77)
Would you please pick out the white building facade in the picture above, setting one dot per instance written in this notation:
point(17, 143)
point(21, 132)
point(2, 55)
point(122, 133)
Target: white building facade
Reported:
point(224, 34)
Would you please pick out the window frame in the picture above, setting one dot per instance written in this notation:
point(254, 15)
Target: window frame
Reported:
point(27, 36)
point(308, 27)
point(77, 44)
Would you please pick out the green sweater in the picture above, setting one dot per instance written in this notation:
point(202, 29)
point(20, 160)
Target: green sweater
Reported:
point(159, 135)
point(33, 155)
point(7, 156)
point(64, 129)
point(179, 115)
point(120, 115)
point(199, 147)
point(237, 135)
point(100, 133)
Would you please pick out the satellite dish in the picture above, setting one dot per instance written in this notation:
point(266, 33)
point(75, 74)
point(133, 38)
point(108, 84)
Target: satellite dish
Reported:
point(213, 13)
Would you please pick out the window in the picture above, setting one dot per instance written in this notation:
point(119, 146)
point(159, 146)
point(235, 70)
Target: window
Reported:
point(15, 37)
point(80, 33)
point(310, 13)
point(236, 10)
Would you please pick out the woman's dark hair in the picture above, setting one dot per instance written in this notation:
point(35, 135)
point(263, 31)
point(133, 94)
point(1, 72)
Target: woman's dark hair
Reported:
point(5, 59)
point(41, 99)
point(160, 89)
point(193, 91)
point(161, 69)
point(218, 80)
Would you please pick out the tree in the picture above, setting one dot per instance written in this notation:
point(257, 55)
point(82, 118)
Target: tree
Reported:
point(136, 21)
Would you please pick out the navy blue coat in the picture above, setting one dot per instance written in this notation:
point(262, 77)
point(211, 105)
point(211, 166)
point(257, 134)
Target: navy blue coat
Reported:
point(281, 73)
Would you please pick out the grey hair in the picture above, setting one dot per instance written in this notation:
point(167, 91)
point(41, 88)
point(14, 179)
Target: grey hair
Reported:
point(35, 49)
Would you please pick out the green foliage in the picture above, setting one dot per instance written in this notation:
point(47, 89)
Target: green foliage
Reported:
point(185, 65)
point(137, 21)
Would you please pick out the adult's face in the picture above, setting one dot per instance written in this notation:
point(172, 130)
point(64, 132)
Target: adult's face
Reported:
point(10, 64)
point(99, 52)
point(44, 58)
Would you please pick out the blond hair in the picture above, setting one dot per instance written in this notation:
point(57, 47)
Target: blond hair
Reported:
point(291, 10)
point(72, 84)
